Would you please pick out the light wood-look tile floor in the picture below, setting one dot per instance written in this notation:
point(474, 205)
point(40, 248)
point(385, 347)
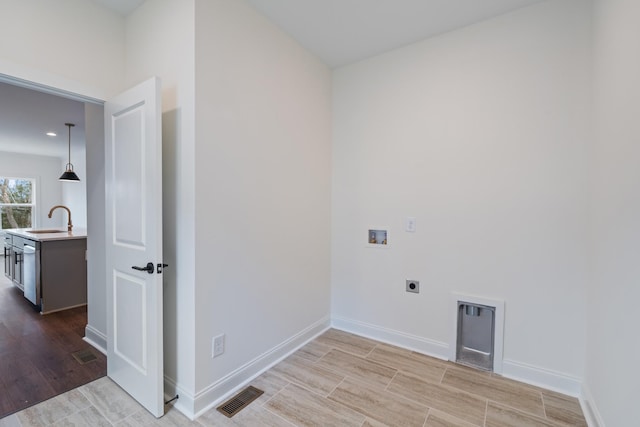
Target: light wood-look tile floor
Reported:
point(339, 379)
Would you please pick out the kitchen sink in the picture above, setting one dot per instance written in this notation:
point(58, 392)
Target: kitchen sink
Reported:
point(46, 231)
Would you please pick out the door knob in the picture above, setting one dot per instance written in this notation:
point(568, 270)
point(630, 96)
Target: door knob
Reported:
point(149, 268)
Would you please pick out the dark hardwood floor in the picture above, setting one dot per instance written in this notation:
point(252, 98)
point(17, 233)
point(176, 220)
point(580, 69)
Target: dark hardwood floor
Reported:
point(36, 361)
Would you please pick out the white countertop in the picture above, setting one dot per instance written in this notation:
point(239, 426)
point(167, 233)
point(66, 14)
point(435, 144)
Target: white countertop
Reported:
point(79, 233)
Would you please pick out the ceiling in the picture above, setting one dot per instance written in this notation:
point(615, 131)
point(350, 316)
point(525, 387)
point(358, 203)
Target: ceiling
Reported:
point(27, 115)
point(339, 32)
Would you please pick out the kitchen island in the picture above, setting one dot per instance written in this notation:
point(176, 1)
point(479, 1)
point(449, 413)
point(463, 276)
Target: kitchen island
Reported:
point(49, 266)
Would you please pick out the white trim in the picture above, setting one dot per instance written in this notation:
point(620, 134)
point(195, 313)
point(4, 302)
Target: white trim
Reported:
point(51, 90)
point(589, 408)
point(416, 343)
point(185, 400)
point(192, 406)
point(96, 338)
point(542, 377)
point(498, 339)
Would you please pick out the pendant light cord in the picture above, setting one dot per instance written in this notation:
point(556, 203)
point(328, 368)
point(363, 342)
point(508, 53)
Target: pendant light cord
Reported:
point(69, 125)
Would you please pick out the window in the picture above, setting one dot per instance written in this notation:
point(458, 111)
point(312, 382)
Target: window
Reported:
point(17, 202)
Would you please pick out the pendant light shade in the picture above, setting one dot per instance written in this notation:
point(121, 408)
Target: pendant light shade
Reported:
point(69, 174)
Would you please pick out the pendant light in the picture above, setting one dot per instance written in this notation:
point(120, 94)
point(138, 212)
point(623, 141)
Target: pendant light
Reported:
point(69, 174)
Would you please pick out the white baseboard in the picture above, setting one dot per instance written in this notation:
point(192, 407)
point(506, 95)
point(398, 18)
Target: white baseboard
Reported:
point(541, 377)
point(185, 401)
point(423, 345)
point(545, 378)
point(589, 408)
point(96, 338)
point(193, 406)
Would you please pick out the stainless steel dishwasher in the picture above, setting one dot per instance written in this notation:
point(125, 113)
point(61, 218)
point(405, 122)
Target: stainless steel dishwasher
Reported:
point(30, 274)
point(17, 270)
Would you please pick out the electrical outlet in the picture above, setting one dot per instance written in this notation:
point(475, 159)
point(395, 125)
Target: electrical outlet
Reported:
point(413, 286)
point(217, 346)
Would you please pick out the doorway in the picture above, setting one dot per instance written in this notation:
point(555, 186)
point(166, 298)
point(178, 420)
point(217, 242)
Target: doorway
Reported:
point(148, 106)
point(24, 333)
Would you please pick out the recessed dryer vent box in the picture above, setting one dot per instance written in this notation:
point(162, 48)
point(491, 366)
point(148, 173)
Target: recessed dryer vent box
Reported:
point(378, 237)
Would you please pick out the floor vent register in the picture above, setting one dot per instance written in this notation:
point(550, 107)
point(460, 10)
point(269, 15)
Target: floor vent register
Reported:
point(239, 401)
point(84, 356)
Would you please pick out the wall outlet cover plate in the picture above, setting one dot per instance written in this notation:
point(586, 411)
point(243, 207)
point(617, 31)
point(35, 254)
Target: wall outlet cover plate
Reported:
point(413, 286)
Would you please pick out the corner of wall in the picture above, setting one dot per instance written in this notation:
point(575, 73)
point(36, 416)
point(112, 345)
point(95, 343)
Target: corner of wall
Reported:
point(194, 405)
point(589, 408)
point(96, 338)
point(437, 349)
point(186, 400)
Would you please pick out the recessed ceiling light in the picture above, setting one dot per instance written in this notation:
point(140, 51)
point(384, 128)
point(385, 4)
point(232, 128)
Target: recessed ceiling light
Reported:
point(51, 134)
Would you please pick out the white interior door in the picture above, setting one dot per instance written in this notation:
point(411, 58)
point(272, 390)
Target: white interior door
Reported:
point(133, 179)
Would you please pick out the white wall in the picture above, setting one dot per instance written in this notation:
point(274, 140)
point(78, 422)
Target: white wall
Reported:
point(263, 193)
point(45, 170)
point(613, 351)
point(160, 42)
point(233, 185)
point(96, 329)
point(74, 45)
point(481, 135)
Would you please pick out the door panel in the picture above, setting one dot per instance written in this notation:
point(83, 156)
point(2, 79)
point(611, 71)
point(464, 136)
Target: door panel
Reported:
point(130, 165)
point(133, 177)
point(129, 304)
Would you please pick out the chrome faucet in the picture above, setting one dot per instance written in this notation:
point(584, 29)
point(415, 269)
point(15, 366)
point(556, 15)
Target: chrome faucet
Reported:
point(69, 224)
